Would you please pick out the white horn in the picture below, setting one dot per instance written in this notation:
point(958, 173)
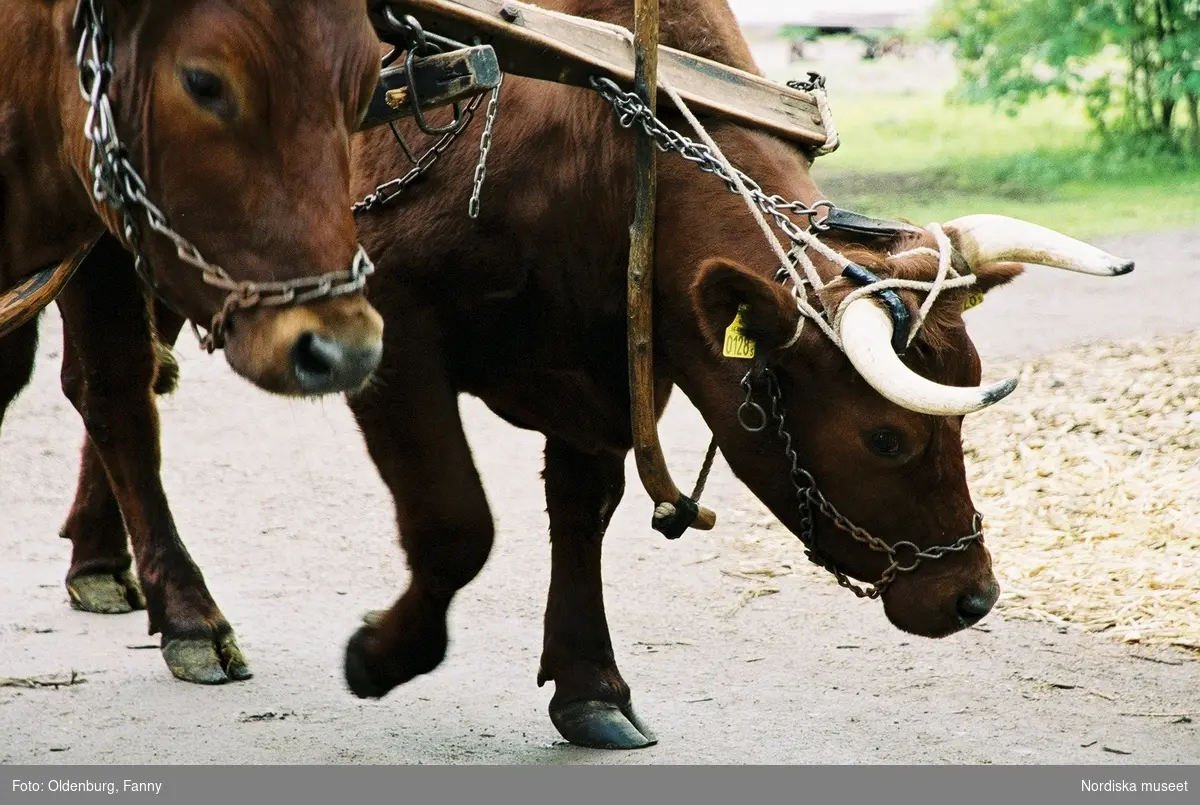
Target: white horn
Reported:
point(866, 332)
point(984, 239)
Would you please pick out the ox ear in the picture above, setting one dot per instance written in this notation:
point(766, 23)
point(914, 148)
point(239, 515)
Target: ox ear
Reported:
point(993, 275)
point(769, 316)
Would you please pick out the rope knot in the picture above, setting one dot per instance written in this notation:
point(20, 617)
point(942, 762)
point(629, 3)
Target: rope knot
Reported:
point(672, 519)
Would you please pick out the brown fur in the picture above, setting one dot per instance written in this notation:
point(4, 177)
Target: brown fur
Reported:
point(941, 329)
point(526, 310)
point(260, 186)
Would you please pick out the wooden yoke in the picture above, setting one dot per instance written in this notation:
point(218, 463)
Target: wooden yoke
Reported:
point(548, 45)
point(20, 305)
point(652, 466)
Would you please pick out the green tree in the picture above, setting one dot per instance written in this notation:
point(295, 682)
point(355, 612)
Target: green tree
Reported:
point(1136, 62)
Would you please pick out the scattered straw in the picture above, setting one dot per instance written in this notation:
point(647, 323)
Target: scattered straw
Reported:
point(33, 682)
point(1089, 480)
point(1089, 477)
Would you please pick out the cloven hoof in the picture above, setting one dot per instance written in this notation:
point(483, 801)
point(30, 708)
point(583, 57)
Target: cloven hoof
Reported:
point(206, 660)
point(601, 725)
point(106, 593)
point(371, 676)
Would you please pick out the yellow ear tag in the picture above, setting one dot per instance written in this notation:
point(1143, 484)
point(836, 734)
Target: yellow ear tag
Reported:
point(974, 300)
point(737, 345)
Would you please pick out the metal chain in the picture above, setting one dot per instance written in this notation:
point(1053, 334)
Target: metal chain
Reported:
point(632, 111)
point(485, 146)
point(903, 557)
point(117, 183)
point(813, 83)
point(815, 86)
point(387, 192)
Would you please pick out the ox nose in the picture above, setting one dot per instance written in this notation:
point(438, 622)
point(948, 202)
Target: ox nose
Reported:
point(973, 606)
point(323, 365)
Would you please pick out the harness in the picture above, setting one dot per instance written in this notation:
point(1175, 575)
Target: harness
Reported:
point(117, 183)
point(798, 269)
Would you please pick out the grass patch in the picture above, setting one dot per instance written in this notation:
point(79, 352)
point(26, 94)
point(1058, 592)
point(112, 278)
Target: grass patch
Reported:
point(921, 158)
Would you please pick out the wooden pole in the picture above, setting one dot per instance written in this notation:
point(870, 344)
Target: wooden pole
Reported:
point(652, 466)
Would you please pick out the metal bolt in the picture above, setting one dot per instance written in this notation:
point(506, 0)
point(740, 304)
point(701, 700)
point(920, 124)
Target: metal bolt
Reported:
point(509, 11)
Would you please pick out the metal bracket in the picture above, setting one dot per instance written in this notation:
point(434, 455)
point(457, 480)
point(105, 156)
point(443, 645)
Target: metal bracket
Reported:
point(442, 79)
point(901, 318)
point(848, 221)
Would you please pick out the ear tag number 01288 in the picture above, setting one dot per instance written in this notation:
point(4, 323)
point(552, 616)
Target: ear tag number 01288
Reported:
point(737, 345)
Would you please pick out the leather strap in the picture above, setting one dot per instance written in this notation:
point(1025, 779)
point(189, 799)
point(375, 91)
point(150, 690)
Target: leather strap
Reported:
point(847, 221)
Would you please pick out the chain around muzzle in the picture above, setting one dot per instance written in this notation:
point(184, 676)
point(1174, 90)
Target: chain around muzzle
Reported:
point(903, 557)
point(117, 183)
point(247, 295)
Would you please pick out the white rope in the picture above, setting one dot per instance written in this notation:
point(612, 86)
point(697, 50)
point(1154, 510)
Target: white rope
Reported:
point(707, 139)
point(946, 278)
point(813, 278)
point(832, 141)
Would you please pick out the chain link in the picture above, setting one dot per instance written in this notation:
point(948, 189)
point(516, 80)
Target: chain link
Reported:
point(814, 83)
point(387, 192)
point(903, 557)
point(117, 183)
point(632, 111)
point(485, 147)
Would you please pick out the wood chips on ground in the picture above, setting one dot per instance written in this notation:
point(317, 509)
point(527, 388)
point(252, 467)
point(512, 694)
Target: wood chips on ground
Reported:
point(1089, 479)
point(1089, 476)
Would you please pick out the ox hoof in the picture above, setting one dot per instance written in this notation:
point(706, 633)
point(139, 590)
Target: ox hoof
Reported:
point(371, 674)
point(106, 593)
point(209, 660)
point(601, 725)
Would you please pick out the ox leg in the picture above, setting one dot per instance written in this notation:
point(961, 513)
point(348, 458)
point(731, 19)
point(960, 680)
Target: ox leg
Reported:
point(111, 345)
point(591, 704)
point(415, 436)
point(18, 351)
point(100, 578)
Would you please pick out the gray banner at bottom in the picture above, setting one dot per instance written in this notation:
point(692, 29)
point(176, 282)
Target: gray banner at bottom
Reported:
point(609, 785)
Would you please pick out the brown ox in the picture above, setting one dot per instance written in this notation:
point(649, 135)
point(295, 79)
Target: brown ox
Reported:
point(237, 114)
point(525, 308)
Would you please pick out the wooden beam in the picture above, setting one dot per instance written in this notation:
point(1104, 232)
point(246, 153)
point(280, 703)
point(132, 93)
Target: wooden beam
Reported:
point(548, 45)
point(441, 80)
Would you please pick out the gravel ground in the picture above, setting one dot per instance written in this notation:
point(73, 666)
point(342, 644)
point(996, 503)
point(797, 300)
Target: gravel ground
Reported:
point(281, 507)
point(1092, 474)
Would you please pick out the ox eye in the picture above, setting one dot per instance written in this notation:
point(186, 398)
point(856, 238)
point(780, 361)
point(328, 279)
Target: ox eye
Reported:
point(208, 90)
point(885, 442)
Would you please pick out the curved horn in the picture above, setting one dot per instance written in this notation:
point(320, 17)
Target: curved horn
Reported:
point(866, 332)
point(984, 239)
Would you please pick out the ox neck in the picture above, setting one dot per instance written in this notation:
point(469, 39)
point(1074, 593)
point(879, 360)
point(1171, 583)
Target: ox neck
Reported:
point(734, 234)
point(43, 153)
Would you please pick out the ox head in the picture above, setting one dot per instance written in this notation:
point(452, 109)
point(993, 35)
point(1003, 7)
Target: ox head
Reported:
point(238, 114)
point(880, 435)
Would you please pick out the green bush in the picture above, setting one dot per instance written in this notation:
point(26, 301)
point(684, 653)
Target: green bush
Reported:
point(1136, 63)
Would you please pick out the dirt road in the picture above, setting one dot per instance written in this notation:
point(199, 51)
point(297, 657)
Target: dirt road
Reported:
point(282, 509)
